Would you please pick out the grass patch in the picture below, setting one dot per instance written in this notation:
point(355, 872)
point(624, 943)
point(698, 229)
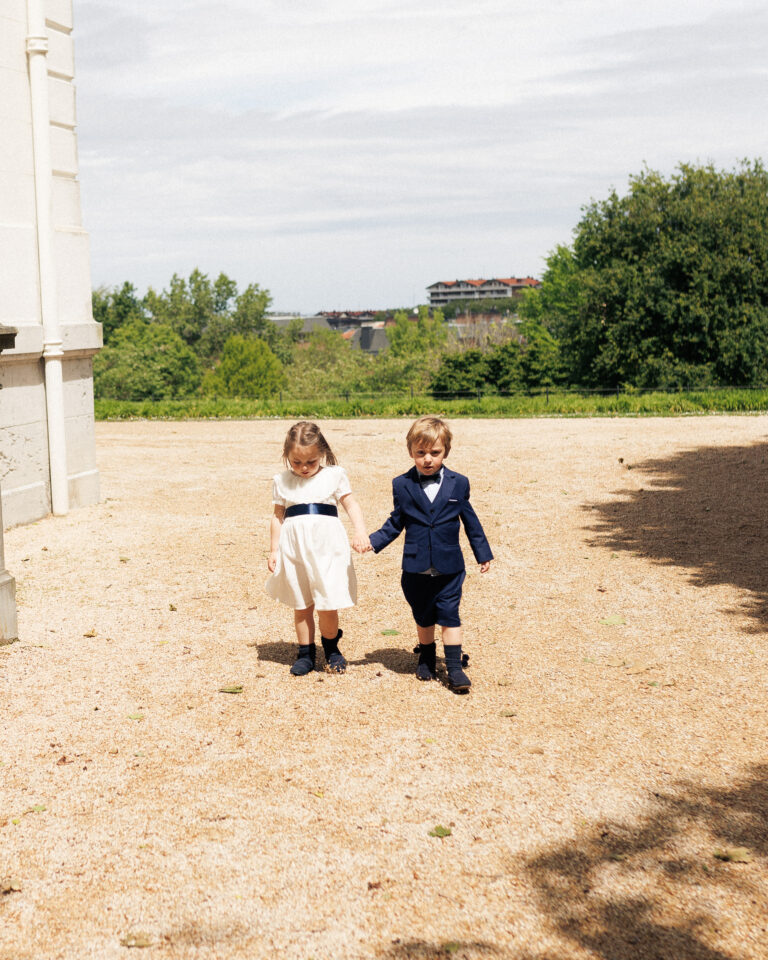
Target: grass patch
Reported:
point(560, 404)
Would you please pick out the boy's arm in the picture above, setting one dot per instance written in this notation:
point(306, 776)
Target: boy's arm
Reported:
point(475, 534)
point(360, 541)
point(391, 528)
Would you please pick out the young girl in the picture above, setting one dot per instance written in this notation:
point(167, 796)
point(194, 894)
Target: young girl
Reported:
point(309, 556)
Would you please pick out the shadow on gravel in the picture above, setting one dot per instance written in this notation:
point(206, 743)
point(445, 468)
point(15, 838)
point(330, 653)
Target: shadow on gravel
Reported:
point(277, 652)
point(450, 950)
point(705, 510)
point(654, 888)
point(395, 659)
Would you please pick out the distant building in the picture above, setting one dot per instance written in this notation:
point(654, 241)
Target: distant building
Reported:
point(348, 319)
point(449, 291)
point(370, 339)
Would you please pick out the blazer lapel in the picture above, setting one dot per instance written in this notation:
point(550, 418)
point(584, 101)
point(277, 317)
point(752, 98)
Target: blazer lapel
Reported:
point(420, 499)
point(446, 489)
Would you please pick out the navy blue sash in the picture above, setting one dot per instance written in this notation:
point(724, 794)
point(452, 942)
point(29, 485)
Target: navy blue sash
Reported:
point(300, 509)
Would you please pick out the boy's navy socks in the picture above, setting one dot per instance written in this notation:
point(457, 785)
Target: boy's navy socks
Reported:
point(427, 661)
point(456, 676)
point(464, 656)
point(305, 661)
point(333, 656)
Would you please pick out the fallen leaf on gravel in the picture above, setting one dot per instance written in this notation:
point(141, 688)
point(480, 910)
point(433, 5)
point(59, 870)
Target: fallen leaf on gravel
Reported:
point(9, 885)
point(124, 559)
point(374, 884)
point(139, 940)
point(539, 751)
point(734, 855)
point(171, 606)
point(234, 688)
point(38, 808)
point(317, 793)
point(439, 831)
point(390, 633)
point(91, 633)
point(615, 620)
point(503, 683)
point(508, 713)
point(615, 662)
point(62, 760)
point(135, 716)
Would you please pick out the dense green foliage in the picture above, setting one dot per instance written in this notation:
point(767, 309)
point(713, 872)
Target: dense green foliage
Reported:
point(247, 368)
point(665, 286)
point(542, 404)
point(145, 360)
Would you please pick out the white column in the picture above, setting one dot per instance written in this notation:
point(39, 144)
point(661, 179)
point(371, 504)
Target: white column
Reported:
point(37, 52)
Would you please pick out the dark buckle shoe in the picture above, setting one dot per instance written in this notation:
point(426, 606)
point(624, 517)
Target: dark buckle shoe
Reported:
point(424, 673)
point(337, 662)
point(305, 662)
point(458, 680)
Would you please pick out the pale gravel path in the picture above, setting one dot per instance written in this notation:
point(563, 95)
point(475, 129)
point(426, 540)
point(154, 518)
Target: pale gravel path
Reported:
point(292, 820)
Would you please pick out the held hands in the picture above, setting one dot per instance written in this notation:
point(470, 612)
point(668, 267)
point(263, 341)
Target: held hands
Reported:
point(361, 543)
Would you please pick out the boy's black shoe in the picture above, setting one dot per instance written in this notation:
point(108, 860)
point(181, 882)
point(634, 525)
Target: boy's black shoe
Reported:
point(334, 659)
point(457, 679)
point(305, 661)
point(427, 667)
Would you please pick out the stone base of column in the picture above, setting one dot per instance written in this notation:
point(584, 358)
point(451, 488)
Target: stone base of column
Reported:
point(8, 626)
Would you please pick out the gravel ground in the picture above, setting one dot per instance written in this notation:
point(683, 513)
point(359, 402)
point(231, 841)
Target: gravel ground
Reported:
point(613, 743)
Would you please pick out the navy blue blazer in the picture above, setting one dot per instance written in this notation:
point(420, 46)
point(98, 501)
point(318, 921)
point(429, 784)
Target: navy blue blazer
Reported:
point(432, 529)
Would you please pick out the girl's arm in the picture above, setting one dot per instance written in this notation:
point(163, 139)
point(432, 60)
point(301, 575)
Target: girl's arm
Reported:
point(275, 525)
point(360, 541)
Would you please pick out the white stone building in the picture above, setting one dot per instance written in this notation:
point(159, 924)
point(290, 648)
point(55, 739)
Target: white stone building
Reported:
point(47, 451)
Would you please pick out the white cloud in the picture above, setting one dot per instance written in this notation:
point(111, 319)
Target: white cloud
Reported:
point(350, 152)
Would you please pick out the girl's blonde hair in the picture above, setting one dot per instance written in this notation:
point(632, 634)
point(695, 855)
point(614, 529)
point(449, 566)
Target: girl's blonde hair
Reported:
point(429, 429)
point(307, 434)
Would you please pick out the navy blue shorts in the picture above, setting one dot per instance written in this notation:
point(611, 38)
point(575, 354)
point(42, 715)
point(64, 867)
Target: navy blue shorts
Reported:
point(434, 600)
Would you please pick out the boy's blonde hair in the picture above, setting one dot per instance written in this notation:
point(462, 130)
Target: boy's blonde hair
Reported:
point(429, 429)
point(307, 434)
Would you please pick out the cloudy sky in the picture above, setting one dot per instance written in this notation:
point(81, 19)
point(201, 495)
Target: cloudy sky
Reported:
point(345, 154)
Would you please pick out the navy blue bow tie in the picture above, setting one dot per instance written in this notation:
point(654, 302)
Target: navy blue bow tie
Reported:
point(434, 478)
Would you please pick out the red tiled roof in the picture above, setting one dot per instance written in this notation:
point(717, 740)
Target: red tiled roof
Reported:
point(509, 281)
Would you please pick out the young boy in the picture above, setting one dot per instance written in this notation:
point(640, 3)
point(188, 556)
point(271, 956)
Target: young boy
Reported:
point(429, 500)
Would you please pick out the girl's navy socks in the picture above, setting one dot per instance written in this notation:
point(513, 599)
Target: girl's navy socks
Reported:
point(333, 656)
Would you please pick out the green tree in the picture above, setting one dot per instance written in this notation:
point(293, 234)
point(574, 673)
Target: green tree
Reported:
point(426, 334)
point(460, 373)
point(247, 368)
point(145, 361)
point(114, 307)
point(670, 282)
point(326, 364)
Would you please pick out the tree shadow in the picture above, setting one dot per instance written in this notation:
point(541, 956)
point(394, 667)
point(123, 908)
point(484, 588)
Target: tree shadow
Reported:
point(650, 889)
point(702, 509)
point(449, 950)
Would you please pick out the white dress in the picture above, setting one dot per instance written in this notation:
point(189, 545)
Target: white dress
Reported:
point(314, 561)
